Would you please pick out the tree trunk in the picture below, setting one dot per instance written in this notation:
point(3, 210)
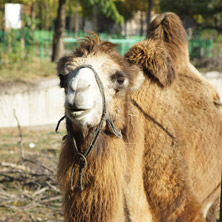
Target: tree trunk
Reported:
point(150, 6)
point(33, 16)
point(141, 23)
point(83, 23)
point(41, 7)
point(2, 19)
point(71, 22)
point(58, 39)
point(77, 19)
point(94, 20)
point(46, 16)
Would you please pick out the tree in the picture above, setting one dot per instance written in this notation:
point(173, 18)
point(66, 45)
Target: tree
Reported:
point(58, 39)
point(205, 13)
point(108, 7)
point(128, 8)
point(150, 7)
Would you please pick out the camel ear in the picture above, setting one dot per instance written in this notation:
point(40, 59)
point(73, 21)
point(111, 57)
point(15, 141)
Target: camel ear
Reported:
point(154, 60)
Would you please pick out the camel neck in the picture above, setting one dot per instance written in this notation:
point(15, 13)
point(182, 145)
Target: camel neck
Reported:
point(113, 177)
point(103, 181)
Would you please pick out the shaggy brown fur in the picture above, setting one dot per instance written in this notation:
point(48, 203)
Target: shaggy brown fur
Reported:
point(185, 172)
point(158, 65)
point(113, 178)
point(167, 166)
point(169, 29)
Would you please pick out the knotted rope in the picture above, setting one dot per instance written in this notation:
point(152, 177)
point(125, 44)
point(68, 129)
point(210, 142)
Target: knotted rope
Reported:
point(81, 159)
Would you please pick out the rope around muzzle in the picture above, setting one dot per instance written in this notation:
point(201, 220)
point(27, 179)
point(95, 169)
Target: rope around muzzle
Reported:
point(81, 159)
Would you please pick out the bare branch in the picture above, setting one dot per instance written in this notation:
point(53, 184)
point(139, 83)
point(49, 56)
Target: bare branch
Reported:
point(20, 135)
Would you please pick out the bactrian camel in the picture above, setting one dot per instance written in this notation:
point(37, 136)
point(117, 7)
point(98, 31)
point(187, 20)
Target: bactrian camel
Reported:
point(144, 131)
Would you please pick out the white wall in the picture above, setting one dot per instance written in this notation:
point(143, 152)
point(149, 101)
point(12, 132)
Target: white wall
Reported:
point(215, 78)
point(38, 105)
point(44, 103)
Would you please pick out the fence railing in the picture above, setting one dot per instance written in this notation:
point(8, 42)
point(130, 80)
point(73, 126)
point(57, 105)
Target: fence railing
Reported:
point(38, 44)
point(199, 48)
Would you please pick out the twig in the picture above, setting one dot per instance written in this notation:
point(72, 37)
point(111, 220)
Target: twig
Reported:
point(52, 199)
point(13, 165)
point(20, 135)
point(39, 164)
point(26, 187)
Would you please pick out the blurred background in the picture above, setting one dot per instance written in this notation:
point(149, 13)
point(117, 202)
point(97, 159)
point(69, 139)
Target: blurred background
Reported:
point(34, 34)
point(28, 27)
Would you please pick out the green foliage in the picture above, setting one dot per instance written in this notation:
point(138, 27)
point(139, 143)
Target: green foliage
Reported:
point(108, 7)
point(129, 7)
point(208, 34)
point(12, 48)
point(206, 13)
point(30, 22)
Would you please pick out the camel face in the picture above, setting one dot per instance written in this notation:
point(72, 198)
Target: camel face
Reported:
point(77, 73)
point(81, 105)
point(83, 100)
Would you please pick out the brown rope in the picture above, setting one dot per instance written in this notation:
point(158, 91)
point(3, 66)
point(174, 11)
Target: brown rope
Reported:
point(58, 124)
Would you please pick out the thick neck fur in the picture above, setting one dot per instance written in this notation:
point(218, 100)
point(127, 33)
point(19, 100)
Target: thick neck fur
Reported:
point(102, 198)
point(113, 178)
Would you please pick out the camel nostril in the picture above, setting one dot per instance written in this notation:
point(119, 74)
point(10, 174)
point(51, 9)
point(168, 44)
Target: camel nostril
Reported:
point(82, 86)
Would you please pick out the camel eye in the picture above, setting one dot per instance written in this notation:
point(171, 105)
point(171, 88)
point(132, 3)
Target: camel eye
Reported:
point(120, 81)
point(119, 77)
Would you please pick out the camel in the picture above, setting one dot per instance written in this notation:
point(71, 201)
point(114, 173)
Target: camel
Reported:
point(144, 131)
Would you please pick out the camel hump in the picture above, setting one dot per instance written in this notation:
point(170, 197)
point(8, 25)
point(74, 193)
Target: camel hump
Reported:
point(165, 51)
point(168, 27)
point(155, 61)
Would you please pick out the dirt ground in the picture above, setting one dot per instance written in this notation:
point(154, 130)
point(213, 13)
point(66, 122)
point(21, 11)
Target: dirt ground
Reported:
point(28, 188)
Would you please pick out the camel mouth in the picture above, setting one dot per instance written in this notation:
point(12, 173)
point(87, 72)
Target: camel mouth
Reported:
point(77, 112)
point(76, 109)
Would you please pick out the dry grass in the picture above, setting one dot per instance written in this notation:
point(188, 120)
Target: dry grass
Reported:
point(27, 71)
point(28, 188)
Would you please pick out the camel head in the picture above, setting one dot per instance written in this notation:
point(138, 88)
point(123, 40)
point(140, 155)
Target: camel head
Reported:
point(83, 99)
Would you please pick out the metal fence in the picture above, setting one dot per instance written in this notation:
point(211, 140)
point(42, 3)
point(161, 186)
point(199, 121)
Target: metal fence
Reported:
point(199, 48)
point(38, 44)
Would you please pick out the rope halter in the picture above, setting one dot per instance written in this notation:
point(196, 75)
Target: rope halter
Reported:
point(81, 158)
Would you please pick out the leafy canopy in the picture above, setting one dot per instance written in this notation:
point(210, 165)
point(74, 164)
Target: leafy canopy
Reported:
point(108, 7)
